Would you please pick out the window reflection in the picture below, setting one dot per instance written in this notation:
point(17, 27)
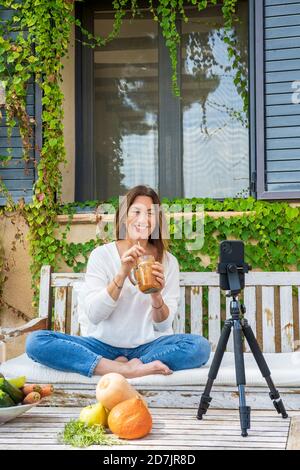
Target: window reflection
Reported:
point(126, 114)
point(215, 133)
point(126, 106)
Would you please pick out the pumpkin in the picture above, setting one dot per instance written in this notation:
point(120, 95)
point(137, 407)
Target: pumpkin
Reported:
point(130, 419)
point(112, 389)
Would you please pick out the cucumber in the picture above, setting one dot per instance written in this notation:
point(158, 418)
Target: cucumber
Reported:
point(5, 400)
point(15, 394)
point(18, 382)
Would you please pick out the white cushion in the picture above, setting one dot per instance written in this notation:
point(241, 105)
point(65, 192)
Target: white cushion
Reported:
point(285, 370)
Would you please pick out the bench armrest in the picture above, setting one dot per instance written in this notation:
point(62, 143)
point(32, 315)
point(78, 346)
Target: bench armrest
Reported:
point(7, 334)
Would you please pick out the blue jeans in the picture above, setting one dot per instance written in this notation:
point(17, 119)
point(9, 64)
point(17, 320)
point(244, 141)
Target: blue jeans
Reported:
point(82, 354)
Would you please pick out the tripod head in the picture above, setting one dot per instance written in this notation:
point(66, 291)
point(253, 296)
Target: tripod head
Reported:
point(232, 267)
point(233, 274)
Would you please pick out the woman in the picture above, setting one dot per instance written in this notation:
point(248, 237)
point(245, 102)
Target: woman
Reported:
point(123, 329)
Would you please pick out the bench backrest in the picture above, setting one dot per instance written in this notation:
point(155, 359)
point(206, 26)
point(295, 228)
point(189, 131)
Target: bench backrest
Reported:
point(272, 301)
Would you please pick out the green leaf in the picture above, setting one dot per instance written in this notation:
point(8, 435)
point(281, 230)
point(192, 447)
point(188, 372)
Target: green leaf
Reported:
point(40, 219)
point(292, 213)
point(52, 142)
point(32, 59)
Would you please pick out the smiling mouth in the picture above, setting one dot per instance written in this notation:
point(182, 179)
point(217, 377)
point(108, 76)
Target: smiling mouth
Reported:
point(141, 228)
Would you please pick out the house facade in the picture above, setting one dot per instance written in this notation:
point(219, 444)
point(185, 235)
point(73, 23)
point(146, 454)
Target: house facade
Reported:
point(124, 126)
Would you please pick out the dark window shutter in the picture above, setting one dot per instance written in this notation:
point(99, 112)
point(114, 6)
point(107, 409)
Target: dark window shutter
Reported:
point(18, 180)
point(277, 113)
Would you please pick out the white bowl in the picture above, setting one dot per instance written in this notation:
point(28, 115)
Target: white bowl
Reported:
point(12, 412)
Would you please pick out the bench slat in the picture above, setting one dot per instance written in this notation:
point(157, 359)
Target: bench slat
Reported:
point(287, 321)
point(74, 328)
point(45, 293)
point(201, 279)
point(297, 344)
point(214, 316)
point(60, 309)
point(268, 319)
point(196, 311)
point(66, 279)
point(251, 279)
point(179, 321)
point(250, 303)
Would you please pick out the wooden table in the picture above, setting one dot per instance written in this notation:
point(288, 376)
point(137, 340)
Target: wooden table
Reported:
point(172, 429)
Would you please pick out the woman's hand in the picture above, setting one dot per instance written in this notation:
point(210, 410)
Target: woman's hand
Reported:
point(159, 308)
point(129, 259)
point(158, 272)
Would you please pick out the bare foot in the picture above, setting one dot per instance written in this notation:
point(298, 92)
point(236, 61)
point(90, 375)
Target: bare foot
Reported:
point(136, 368)
point(121, 359)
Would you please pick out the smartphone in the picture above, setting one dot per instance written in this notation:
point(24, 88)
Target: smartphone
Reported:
point(232, 252)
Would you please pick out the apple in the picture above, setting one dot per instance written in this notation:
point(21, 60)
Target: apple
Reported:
point(94, 414)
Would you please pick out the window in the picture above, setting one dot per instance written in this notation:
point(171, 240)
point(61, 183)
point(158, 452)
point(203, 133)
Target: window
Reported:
point(215, 134)
point(132, 130)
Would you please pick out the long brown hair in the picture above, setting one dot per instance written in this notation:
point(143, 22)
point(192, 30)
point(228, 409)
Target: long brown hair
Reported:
point(160, 240)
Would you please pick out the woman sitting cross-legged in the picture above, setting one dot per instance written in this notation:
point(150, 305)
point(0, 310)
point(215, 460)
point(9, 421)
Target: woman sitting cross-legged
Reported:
point(123, 329)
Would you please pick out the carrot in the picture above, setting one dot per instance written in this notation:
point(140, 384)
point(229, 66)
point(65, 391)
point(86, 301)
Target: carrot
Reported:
point(28, 388)
point(46, 390)
point(32, 397)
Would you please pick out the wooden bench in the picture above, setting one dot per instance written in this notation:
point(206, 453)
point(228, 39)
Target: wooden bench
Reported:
point(273, 310)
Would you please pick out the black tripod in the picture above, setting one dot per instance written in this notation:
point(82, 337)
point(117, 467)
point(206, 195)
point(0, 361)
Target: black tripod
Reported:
point(240, 327)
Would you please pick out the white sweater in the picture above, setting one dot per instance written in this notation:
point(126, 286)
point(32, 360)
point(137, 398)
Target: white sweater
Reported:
point(126, 322)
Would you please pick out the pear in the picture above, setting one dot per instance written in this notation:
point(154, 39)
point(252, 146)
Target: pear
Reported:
point(94, 414)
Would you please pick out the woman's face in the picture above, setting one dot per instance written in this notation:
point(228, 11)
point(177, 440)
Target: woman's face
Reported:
point(141, 218)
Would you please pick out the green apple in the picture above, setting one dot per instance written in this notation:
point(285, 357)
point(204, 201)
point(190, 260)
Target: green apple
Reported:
point(94, 414)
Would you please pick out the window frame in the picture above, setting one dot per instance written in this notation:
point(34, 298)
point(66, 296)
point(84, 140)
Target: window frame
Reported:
point(84, 115)
point(257, 107)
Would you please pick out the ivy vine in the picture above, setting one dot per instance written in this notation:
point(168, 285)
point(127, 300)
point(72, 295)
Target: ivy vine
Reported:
point(166, 13)
point(32, 44)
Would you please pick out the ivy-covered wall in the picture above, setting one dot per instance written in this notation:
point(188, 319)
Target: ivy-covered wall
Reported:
point(270, 231)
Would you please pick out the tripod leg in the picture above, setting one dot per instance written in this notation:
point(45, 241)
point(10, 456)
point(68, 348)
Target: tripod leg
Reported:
point(214, 368)
point(263, 367)
point(240, 377)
